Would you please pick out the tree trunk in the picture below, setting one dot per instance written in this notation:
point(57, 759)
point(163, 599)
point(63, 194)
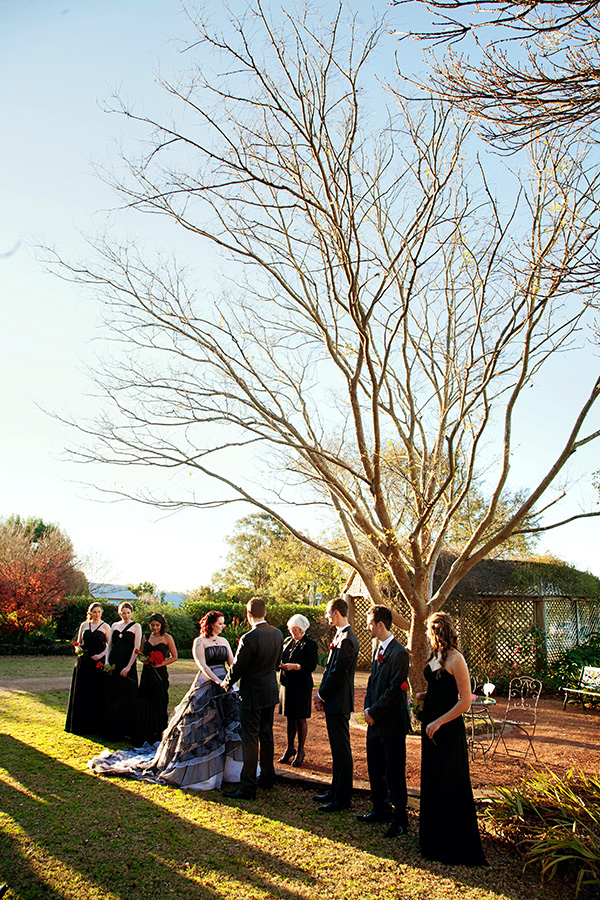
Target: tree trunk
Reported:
point(419, 651)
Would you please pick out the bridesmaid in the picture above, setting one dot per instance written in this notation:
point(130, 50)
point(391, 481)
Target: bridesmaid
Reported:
point(86, 700)
point(153, 696)
point(121, 684)
point(448, 830)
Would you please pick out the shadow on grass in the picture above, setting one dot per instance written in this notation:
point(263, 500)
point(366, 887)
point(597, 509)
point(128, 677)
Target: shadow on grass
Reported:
point(294, 807)
point(59, 700)
point(114, 839)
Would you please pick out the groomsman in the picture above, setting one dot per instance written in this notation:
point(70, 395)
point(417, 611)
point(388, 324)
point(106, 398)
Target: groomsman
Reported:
point(336, 697)
point(388, 720)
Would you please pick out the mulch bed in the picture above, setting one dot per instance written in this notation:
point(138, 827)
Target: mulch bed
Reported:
point(564, 739)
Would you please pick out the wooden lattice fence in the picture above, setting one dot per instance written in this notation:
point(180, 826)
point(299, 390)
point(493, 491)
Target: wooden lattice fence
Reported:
point(499, 629)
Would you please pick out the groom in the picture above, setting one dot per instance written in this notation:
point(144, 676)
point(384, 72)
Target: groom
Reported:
point(255, 667)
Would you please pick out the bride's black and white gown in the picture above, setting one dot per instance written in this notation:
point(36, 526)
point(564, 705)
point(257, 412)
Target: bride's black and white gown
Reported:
point(201, 746)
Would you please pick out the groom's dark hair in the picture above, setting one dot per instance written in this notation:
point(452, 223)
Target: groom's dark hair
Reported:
point(257, 608)
point(381, 614)
point(340, 605)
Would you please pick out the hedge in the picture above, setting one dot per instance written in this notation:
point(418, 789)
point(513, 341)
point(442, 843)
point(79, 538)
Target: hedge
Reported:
point(72, 613)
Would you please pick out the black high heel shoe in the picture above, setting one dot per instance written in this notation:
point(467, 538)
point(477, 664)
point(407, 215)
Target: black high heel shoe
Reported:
point(299, 759)
point(287, 757)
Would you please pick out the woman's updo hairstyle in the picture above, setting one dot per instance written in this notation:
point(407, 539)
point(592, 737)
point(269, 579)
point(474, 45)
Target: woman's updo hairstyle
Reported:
point(158, 617)
point(207, 622)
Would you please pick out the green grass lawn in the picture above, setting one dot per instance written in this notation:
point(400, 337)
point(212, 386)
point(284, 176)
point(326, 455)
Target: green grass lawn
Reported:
point(65, 833)
point(56, 666)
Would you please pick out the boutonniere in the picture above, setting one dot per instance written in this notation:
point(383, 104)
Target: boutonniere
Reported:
point(404, 686)
point(332, 645)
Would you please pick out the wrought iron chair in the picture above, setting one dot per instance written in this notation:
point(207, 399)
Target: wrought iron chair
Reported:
point(520, 713)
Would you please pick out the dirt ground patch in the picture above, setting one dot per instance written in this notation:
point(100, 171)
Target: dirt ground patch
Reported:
point(564, 739)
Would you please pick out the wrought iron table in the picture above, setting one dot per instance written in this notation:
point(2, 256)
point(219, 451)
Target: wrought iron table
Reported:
point(483, 730)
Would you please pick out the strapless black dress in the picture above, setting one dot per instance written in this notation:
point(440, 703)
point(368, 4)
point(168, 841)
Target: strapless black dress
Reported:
point(448, 830)
point(151, 711)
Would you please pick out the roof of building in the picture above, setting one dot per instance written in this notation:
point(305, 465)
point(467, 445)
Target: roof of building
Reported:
point(508, 578)
point(173, 597)
point(111, 592)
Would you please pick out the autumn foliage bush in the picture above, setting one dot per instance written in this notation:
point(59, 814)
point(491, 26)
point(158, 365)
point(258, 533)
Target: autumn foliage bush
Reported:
point(37, 570)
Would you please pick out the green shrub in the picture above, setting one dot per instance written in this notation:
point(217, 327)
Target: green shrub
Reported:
point(180, 624)
point(554, 821)
point(566, 669)
point(277, 614)
point(72, 612)
point(231, 610)
point(41, 648)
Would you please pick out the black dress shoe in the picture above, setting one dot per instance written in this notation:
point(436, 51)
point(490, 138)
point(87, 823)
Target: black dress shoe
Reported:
point(266, 784)
point(332, 807)
point(395, 830)
point(323, 798)
point(376, 816)
point(240, 794)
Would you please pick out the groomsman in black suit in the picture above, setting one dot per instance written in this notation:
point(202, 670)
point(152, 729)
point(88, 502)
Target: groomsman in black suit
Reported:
point(255, 667)
point(336, 697)
point(386, 713)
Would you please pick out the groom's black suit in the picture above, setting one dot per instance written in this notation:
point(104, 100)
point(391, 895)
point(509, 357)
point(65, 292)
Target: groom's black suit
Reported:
point(255, 667)
point(337, 693)
point(385, 702)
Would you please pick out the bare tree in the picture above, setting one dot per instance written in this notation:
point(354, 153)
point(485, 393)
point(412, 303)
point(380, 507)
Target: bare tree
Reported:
point(381, 321)
point(536, 68)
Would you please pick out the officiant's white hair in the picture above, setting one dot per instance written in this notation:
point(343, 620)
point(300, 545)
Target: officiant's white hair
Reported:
point(300, 622)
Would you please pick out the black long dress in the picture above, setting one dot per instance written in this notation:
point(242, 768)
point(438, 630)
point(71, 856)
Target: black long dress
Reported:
point(151, 715)
point(85, 714)
point(121, 692)
point(448, 829)
point(202, 746)
point(297, 685)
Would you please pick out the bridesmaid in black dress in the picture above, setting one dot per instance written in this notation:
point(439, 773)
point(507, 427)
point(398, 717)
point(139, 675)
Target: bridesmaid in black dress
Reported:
point(85, 714)
point(448, 829)
point(298, 662)
point(122, 683)
point(151, 715)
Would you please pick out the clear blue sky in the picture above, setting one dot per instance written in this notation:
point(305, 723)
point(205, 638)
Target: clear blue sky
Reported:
point(59, 63)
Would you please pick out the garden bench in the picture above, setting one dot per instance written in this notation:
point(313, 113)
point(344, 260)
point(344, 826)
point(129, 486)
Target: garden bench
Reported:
point(587, 686)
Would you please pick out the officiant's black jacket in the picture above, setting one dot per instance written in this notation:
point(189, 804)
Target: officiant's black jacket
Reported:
point(337, 685)
point(385, 699)
point(255, 666)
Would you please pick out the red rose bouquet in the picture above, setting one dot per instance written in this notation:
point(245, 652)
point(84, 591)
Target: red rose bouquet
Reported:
point(156, 658)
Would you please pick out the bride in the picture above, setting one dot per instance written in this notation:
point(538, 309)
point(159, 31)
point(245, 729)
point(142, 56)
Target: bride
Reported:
point(201, 746)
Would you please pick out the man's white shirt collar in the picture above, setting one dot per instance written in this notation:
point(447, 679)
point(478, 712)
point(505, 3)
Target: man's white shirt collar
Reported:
point(262, 622)
point(339, 633)
point(383, 644)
